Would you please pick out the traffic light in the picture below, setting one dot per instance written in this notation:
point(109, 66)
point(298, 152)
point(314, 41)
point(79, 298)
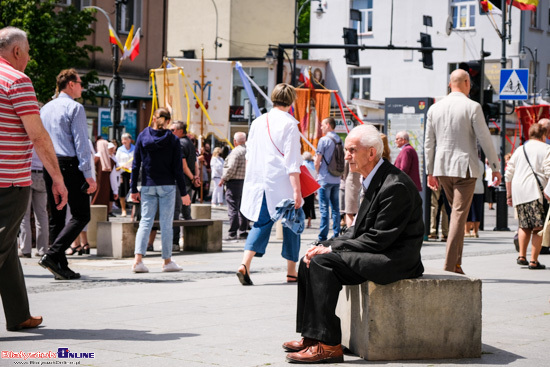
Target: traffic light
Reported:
point(427, 55)
point(350, 38)
point(490, 109)
point(476, 78)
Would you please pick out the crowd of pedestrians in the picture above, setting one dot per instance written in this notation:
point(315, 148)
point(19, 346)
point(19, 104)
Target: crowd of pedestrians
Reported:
point(371, 222)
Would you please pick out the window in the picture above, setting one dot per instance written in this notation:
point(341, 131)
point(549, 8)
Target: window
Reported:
point(535, 18)
point(130, 14)
point(260, 76)
point(359, 83)
point(365, 7)
point(464, 13)
point(81, 4)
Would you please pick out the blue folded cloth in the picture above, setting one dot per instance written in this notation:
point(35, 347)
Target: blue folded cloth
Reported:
point(290, 217)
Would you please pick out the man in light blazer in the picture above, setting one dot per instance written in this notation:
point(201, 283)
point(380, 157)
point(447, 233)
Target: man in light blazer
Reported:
point(453, 127)
point(383, 245)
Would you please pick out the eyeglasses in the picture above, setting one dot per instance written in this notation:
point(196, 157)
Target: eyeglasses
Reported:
point(78, 82)
point(173, 129)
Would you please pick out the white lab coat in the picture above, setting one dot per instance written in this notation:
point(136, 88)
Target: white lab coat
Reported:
point(267, 171)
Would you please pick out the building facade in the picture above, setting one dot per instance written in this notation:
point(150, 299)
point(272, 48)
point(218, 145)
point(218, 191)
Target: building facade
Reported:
point(149, 15)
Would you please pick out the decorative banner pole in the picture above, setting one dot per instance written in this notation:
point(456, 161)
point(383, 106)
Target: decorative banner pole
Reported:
point(202, 123)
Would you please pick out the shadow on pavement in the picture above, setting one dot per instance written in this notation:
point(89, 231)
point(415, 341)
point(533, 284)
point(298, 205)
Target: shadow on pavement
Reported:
point(489, 356)
point(45, 333)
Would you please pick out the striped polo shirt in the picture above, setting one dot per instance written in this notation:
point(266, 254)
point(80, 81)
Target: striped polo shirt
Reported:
point(17, 98)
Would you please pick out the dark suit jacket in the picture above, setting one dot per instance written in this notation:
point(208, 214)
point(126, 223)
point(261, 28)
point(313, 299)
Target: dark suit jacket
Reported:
point(384, 244)
point(407, 161)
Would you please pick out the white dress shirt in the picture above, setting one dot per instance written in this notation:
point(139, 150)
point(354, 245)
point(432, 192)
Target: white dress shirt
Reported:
point(267, 171)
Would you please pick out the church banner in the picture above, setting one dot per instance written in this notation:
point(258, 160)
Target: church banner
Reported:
point(215, 91)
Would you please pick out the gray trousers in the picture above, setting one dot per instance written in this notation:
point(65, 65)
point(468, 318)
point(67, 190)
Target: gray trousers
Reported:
point(13, 202)
point(39, 203)
point(238, 224)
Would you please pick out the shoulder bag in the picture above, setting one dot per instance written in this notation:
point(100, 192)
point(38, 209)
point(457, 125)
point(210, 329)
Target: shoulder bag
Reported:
point(308, 184)
point(544, 201)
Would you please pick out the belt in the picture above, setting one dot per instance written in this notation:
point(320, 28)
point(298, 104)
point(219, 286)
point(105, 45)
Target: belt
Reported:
point(67, 159)
point(36, 171)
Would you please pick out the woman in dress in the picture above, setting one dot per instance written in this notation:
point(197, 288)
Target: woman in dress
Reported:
point(527, 173)
point(272, 175)
point(125, 156)
point(216, 164)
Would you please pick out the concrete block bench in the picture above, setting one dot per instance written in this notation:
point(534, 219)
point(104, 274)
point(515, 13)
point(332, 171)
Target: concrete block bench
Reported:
point(117, 239)
point(437, 316)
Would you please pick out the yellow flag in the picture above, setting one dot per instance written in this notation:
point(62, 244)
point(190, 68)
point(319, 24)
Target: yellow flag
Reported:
point(128, 43)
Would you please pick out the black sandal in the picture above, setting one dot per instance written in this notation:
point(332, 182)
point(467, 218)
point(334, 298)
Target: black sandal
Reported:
point(73, 250)
point(244, 278)
point(293, 279)
point(522, 260)
point(536, 266)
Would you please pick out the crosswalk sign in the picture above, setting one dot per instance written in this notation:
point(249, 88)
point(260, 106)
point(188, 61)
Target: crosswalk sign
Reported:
point(514, 84)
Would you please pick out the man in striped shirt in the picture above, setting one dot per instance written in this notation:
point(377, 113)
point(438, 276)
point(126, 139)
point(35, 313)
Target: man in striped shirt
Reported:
point(20, 128)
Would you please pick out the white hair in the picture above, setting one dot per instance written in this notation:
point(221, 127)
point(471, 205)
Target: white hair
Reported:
point(402, 134)
point(368, 136)
point(10, 36)
point(240, 137)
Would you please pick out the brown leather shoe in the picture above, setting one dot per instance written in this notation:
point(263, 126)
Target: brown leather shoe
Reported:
point(30, 323)
point(298, 345)
point(458, 270)
point(318, 353)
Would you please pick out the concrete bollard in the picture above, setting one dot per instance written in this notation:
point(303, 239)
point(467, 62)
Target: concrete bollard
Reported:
point(436, 316)
point(98, 213)
point(201, 211)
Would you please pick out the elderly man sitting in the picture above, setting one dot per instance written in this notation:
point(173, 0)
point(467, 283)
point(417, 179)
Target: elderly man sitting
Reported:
point(383, 245)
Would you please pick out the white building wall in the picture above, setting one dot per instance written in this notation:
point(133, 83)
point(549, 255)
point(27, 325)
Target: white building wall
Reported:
point(398, 73)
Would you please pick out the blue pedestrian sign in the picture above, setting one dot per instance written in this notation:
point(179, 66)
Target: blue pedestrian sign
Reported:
point(514, 84)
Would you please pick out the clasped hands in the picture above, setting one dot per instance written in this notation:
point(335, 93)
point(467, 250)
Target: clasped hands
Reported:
point(313, 251)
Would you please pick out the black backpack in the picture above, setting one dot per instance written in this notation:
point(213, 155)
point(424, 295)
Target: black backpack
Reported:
point(337, 162)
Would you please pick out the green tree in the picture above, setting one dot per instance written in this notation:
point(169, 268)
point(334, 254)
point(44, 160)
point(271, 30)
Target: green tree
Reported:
point(56, 38)
point(303, 26)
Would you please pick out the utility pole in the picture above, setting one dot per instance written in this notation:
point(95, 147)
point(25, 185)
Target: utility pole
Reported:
point(117, 80)
point(502, 206)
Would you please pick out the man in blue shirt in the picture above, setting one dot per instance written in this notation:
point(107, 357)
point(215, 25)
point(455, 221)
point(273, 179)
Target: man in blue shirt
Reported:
point(330, 185)
point(65, 121)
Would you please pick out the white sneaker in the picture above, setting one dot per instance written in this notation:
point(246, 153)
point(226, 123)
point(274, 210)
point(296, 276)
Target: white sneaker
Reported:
point(171, 266)
point(140, 268)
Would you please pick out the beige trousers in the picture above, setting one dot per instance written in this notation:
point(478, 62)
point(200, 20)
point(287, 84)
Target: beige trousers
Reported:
point(459, 192)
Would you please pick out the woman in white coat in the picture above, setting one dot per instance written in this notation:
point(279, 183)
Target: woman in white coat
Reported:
point(523, 191)
point(272, 175)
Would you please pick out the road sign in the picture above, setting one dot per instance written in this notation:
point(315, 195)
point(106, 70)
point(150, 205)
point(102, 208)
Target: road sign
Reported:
point(514, 84)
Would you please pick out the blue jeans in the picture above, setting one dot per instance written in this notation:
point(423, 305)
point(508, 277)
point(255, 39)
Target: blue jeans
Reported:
point(152, 197)
point(328, 194)
point(258, 237)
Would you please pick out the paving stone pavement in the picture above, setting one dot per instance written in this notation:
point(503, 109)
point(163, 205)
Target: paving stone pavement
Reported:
point(202, 316)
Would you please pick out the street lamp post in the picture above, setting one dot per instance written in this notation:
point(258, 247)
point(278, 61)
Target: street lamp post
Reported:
point(523, 56)
point(297, 13)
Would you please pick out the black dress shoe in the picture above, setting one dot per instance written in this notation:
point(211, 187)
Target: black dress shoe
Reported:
point(69, 273)
point(53, 266)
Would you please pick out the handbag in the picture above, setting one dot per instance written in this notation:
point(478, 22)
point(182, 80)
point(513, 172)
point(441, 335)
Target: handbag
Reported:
point(308, 184)
point(544, 201)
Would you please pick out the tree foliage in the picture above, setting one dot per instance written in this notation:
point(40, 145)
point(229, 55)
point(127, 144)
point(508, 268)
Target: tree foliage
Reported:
point(56, 38)
point(303, 26)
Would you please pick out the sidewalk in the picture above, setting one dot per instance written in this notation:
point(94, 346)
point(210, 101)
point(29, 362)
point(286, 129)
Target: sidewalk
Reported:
point(204, 317)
